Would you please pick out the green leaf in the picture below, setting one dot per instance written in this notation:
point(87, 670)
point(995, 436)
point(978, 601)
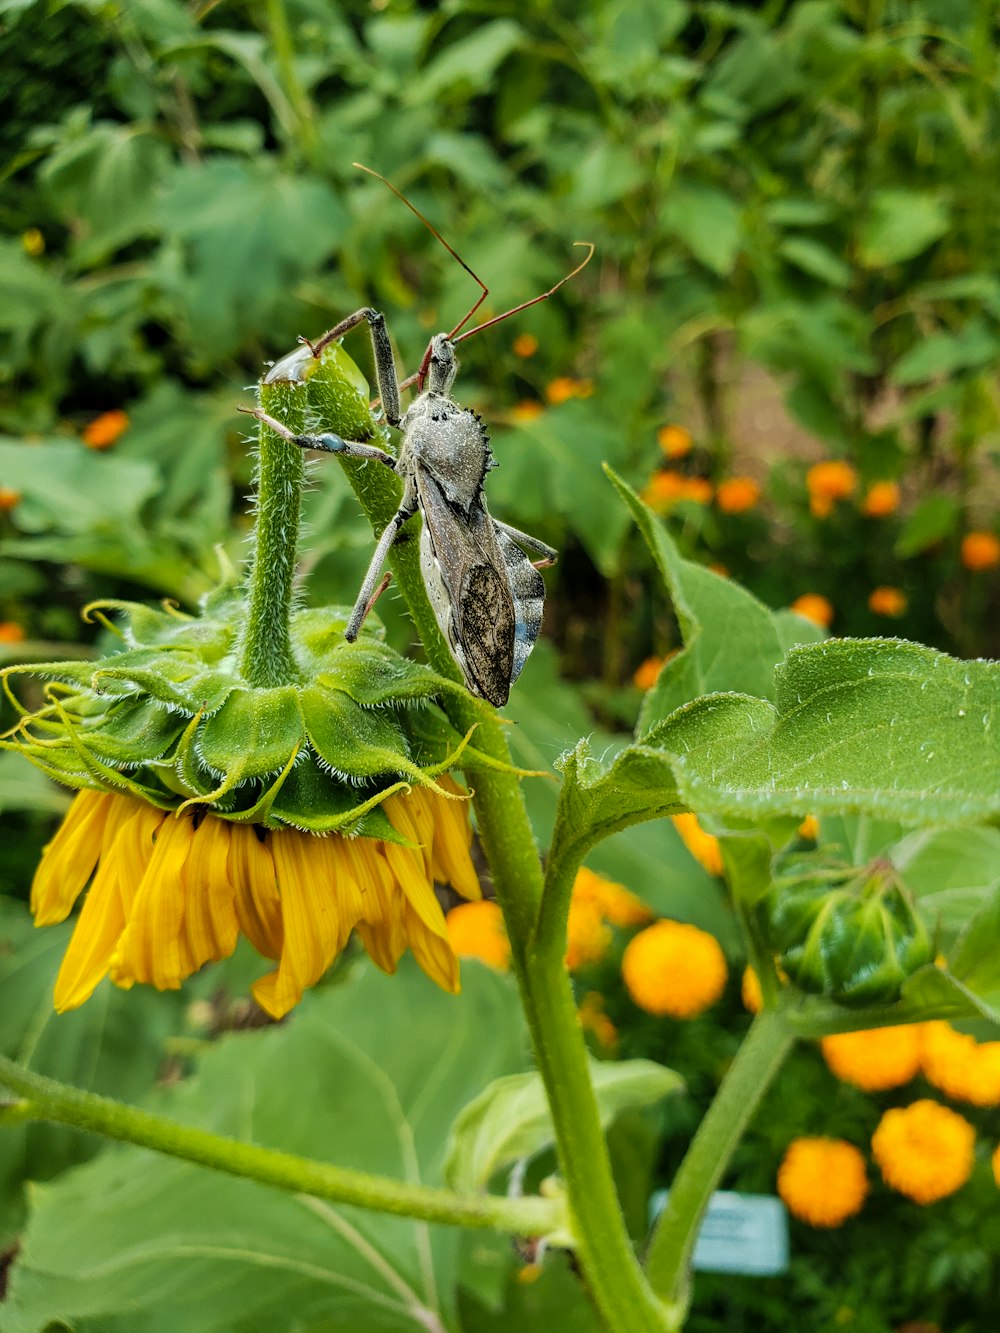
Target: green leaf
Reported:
point(932, 991)
point(511, 1120)
point(953, 872)
point(708, 222)
point(934, 518)
point(942, 354)
point(816, 260)
point(472, 61)
point(23, 787)
point(179, 1247)
point(877, 726)
point(731, 640)
point(901, 224)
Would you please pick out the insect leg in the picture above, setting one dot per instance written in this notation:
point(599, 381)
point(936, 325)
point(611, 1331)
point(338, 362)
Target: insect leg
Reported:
point(365, 599)
point(551, 555)
point(385, 364)
point(328, 442)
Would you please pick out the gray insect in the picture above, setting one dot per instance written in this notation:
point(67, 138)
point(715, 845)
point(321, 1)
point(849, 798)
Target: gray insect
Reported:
point(486, 593)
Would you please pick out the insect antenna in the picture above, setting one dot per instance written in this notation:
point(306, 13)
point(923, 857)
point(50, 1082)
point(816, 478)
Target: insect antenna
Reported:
point(438, 237)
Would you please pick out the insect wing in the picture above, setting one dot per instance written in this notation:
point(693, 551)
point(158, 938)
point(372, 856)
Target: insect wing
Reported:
point(528, 589)
point(467, 580)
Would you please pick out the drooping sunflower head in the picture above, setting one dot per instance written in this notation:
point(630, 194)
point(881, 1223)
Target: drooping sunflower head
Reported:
point(208, 807)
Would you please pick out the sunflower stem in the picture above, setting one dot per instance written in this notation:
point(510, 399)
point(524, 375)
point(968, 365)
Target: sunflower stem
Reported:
point(668, 1259)
point(266, 657)
point(45, 1099)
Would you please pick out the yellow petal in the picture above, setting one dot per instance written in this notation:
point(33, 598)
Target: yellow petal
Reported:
point(258, 907)
point(407, 868)
point(69, 859)
point(311, 920)
point(151, 948)
point(210, 923)
point(407, 814)
point(433, 954)
point(98, 928)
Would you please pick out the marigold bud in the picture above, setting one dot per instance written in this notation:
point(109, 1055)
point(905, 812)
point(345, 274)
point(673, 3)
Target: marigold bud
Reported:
point(525, 345)
point(673, 969)
point(735, 495)
point(980, 550)
point(675, 441)
point(813, 606)
point(887, 601)
point(104, 430)
point(477, 930)
point(882, 499)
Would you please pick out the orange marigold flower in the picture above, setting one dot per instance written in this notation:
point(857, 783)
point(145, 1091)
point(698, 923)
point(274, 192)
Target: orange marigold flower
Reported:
point(615, 903)
point(924, 1150)
point(646, 672)
point(887, 601)
point(697, 489)
point(995, 1163)
point(9, 498)
point(980, 550)
point(33, 242)
point(832, 480)
point(564, 387)
point(735, 495)
point(882, 499)
point(815, 607)
point(874, 1060)
point(822, 1181)
point(960, 1066)
point(675, 441)
point(588, 936)
point(809, 828)
point(104, 430)
point(477, 930)
point(11, 632)
point(529, 409)
point(673, 969)
point(704, 847)
point(665, 488)
point(594, 1019)
point(525, 345)
point(750, 992)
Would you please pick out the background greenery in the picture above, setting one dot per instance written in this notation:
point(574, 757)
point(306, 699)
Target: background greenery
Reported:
point(795, 209)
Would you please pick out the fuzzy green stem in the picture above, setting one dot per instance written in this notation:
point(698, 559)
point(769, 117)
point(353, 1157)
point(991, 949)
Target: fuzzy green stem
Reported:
point(44, 1099)
point(266, 657)
point(668, 1260)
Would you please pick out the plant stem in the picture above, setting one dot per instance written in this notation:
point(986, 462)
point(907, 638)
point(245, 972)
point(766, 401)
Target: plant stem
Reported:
point(45, 1099)
point(266, 657)
point(757, 1061)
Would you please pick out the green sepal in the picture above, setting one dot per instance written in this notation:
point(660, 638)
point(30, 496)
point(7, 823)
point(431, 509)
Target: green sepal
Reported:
point(856, 943)
point(253, 733)
point(133, 731)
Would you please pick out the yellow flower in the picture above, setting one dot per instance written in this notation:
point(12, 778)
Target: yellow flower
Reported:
point(170, 893)
point(9, 499)
point(980, 550)
point(887, 601)
point(882, 499)
point(674, 969)
point(822, 1181)
point(614, 902)
point(704, 847)
point(815, 607)
point(828, 482)
point(665, 488)
point(675, 441)
point(104, 430)
point(525, 345)
point(529, 409)
point(995, 1164)
point(594, 1019)
point(476, 930)
point(735, 495)
point(11, 632)
point(750, 991)
point(646, 673)
point(33, 242)
point(924, 1150)
point(809, 828)
point(960, 1066)
point(564, 387)
point(588, 936)
point(876, 1059)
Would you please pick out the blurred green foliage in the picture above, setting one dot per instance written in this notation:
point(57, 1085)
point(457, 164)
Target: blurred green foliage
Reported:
point(796, 212)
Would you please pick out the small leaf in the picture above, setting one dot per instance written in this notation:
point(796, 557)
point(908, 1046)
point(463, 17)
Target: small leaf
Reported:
point(511, 1120)
point(709, 223)
point(931, 521)
point(901, 224)
point(816, 260)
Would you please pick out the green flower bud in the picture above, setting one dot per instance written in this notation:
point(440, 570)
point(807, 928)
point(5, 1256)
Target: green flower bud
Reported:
point(855, 941)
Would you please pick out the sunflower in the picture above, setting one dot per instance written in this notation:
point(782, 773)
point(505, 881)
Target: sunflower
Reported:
point(171, 891)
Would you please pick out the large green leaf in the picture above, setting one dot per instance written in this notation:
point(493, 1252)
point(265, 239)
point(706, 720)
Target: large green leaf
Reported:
point(114, 1044)
point(876, 726)
point(731, 640)
point(901, 224)
point(511, 1119)
point(370, 1073)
